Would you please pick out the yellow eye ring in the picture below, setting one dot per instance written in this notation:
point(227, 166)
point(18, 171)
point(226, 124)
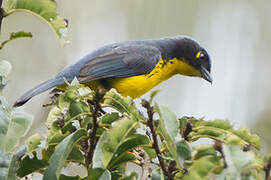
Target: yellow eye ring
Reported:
point(198, 54)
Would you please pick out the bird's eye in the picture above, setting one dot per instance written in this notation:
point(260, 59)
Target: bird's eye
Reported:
point(200, 55)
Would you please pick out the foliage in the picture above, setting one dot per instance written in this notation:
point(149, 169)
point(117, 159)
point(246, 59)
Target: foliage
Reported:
point(44, 9)
point(125, 137)
point(104, 132)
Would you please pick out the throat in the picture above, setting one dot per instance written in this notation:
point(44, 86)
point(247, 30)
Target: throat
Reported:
point(164, 70)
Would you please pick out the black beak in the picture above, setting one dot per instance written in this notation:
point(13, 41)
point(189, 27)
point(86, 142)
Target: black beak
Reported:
point(206, 74)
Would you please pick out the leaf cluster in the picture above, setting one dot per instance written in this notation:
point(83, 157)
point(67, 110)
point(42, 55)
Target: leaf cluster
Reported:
point(155, 140)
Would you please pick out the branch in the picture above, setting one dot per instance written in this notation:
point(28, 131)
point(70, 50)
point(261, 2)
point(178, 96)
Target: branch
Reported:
point(2, 14)
point(145, 163)
point(267, 168)
point(218, 147)
point(146, 105)
point(92, 136)
point(172, 169)
point(187, 130)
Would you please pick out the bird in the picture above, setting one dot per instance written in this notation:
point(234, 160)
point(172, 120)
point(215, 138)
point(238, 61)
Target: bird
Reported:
point(132, 67)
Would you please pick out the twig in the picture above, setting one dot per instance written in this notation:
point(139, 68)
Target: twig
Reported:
point(92, 136)
point(187, 130)
point(246, 148)
point(172, 169)
point(2, 14)
point(92, 103)
point(218, 147)
point(152, 162)
point(145, 163)
point(267, 168)
point(149, 109)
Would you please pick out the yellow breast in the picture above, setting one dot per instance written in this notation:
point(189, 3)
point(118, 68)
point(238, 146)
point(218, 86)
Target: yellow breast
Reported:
point(136, 86)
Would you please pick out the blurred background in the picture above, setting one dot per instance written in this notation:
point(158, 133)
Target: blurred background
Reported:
point(236, 34)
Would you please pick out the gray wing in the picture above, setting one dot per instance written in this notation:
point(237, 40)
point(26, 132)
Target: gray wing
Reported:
point(124, 61)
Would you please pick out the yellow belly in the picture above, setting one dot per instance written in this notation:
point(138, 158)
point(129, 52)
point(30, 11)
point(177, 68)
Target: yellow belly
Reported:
point(135, 86)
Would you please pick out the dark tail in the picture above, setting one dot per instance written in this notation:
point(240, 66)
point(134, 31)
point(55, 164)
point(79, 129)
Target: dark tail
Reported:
point(37, 90)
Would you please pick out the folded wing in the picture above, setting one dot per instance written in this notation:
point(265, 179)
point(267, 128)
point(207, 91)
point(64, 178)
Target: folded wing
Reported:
point(122, 61)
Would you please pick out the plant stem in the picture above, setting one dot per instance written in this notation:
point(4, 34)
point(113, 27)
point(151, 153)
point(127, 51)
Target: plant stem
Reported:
point(150, 124)
point(267, 169)
point(218, 147)
point(187, 130)
point(92, 136)
point(172, 169)
point(92, 141)
point(2, 13)
point(145, 163)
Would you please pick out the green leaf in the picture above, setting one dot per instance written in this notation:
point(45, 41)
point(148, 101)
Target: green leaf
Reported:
point(157, 174)
point(45, 10)
point(56, 134)
point(54, 114)
point(55, 137)
point(106, 122)
point(71, 106)
point(9, 164)
point(183, 122)
point(240, 164)
point(204, 150)
point(16, 35)
point(106, 175)
point(33, 142)
point(13, 126)
point(110, 118)
point(118, 172)
point(221, 130)
point(75, 93)
point(236, 158)
point(95, 173)
point(124, 105)
point(168, 127)
point(205, 164)
point(149, 150)
point(76, 156)
point(98, 173)
point(131, 142)
point(184, 151)
point(5, 68)
point(168, 122)
point(30, 165)
point(61, 153)
point(4, 165)
point(202, 168)
point(121, 159)
point(114, 142)
point(132, 176)
point(64, 177)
